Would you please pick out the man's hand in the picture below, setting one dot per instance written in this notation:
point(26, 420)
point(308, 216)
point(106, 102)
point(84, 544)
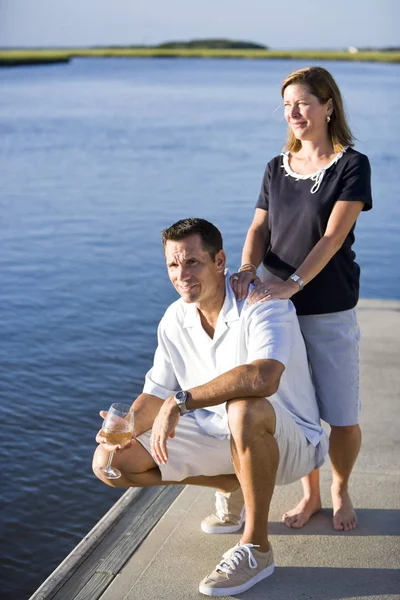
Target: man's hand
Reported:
point(101, 439)
point(163, 428)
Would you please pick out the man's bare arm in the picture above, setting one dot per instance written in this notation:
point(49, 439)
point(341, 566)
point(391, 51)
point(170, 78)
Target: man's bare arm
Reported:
point(145, 409)
point(258, 379)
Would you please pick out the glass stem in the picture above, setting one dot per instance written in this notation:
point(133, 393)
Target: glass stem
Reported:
point(110, 457)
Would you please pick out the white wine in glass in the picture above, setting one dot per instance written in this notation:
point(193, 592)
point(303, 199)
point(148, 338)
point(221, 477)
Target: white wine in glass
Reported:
point(117, 429)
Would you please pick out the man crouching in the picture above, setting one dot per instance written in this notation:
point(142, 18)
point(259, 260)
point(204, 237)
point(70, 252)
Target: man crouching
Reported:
point(228, 404)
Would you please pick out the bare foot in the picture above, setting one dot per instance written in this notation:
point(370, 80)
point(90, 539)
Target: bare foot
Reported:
point(344, 516)
point(299, 516)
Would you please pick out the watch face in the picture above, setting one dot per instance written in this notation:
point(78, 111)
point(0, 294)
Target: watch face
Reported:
point(180, 399)
point(181, 396)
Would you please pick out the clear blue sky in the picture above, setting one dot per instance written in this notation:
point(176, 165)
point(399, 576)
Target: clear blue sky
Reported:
point(276, 23)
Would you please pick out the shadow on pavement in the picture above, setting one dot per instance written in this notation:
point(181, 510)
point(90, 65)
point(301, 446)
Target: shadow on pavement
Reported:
point(317, 583)
point(370, 522)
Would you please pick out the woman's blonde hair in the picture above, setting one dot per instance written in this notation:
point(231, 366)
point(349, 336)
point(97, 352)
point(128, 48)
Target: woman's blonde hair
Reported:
point(320, 83)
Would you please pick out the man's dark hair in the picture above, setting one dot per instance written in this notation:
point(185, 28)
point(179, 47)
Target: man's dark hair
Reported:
point(211, 238)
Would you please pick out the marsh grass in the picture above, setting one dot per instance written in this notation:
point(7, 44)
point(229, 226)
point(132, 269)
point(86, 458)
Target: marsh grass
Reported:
point(35, 56)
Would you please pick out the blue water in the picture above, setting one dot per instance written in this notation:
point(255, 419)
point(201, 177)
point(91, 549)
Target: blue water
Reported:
point(96, 157)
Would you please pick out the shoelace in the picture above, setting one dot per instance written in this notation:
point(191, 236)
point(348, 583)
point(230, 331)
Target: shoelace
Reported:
point(233, 557)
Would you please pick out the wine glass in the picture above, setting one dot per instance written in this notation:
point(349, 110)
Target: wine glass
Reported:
point(117, 429)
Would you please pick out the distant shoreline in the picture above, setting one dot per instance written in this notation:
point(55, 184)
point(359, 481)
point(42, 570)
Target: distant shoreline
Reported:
point(17, 57)
point(17, 61)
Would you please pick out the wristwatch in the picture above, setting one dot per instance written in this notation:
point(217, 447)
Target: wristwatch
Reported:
point(181, 398)
point(298, 280)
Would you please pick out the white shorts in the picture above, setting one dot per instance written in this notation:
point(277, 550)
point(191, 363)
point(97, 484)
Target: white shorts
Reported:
point(192, 452)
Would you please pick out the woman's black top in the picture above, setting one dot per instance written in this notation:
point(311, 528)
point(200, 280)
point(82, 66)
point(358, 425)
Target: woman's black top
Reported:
point(298, 211)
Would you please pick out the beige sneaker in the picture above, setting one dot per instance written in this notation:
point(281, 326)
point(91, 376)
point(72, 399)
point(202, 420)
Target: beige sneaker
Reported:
point(229, 513)
point(242, 567)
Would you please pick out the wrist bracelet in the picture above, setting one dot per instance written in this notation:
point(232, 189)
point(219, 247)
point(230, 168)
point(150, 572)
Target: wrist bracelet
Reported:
point(243, 267)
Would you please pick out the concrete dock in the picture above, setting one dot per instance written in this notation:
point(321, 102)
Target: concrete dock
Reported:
point(173, 555)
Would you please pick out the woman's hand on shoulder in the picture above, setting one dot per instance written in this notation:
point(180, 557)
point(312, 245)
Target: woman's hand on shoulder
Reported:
point(240, 283)
point(267, 291)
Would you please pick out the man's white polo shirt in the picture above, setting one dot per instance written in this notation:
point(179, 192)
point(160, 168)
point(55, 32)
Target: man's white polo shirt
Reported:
point(187, 357)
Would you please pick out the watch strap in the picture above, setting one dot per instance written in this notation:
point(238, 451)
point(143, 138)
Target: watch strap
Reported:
point(298, 280)
point(181, 398)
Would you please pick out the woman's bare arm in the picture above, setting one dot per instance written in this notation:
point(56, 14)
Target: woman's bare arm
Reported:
point(342, 219)
point(257, 239)
point(343, 216)
point(255, 246)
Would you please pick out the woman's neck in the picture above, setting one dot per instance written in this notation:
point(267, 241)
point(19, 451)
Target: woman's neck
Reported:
point(311, 151)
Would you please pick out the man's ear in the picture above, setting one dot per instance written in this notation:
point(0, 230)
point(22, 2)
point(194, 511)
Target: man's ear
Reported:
point(220, 261)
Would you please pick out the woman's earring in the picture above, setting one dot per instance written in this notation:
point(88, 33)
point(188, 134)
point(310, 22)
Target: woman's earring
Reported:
point(328, 119)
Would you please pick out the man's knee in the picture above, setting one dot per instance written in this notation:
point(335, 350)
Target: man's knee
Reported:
point(250, 416)
point(100, 459)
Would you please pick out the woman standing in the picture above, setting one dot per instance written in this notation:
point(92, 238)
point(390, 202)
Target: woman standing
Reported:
point(302, 233)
